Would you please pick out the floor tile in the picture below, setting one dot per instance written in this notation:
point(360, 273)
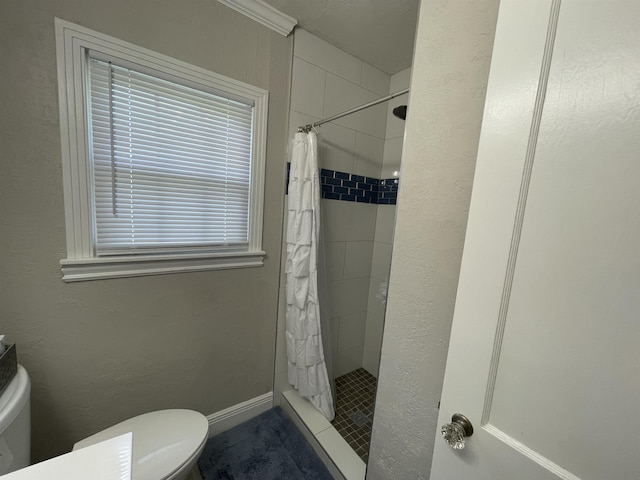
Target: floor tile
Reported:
point(355, 392)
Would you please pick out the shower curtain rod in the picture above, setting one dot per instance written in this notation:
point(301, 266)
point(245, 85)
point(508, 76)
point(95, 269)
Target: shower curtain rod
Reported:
point(307, 128)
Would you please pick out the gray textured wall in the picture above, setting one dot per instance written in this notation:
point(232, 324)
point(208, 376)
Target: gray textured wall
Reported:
point(448, 86)
point(99, 352)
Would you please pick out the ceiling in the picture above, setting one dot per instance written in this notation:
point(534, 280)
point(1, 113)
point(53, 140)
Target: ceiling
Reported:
point(380, 32)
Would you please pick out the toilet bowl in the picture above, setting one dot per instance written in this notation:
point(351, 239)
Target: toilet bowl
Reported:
point(15, 423)
point(166, 443)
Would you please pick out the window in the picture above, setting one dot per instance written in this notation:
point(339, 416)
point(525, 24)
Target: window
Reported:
point(163, 162)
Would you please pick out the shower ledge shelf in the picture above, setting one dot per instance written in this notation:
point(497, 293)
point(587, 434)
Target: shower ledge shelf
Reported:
point(339, 452)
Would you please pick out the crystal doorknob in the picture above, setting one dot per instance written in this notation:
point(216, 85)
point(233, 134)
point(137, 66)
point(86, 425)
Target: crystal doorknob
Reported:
point(457, 431)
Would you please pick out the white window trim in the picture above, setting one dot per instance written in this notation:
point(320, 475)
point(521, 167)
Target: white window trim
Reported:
point(81, 262)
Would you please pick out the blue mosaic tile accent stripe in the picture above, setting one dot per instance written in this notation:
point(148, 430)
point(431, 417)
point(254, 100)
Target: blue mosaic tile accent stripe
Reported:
point(350, 187)
point(388, 191)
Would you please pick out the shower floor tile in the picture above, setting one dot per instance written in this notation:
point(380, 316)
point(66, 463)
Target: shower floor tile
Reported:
point(355, 395)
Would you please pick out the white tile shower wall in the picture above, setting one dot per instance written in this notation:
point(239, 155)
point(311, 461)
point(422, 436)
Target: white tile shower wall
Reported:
point(326, 56)
point(342, 95)
point(367, 152)
point(309, 80)
point(383, 238)
point(399, 81)
point(337, 148)
point(327, 81)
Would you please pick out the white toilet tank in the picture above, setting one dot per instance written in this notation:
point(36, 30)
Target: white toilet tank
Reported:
point(15, 423)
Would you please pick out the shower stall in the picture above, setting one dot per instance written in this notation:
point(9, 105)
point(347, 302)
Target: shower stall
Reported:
point(359, 160)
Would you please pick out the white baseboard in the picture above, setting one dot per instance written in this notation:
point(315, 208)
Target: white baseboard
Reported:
point(230, 417)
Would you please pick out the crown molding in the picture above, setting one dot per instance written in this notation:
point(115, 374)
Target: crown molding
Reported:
point(263, 13)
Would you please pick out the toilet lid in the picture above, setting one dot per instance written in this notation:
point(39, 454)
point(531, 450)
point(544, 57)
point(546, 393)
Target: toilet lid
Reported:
point(163, 441)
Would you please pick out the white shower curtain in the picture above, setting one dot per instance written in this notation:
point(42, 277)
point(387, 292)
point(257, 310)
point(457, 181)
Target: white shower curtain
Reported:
point(306, 365)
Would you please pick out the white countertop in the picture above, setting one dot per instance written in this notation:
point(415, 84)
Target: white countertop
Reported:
point(108, 460)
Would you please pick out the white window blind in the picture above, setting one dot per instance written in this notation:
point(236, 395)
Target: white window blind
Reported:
point(171, 164)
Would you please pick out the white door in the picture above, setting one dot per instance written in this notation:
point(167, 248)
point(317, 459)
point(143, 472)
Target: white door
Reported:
point(544, 357)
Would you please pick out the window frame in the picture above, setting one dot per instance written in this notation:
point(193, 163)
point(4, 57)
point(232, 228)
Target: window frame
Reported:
point(82, 263)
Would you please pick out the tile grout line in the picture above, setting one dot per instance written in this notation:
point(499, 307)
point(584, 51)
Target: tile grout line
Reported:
point(347, 79)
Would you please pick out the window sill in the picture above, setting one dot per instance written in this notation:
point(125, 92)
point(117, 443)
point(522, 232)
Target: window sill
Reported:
point(80, 270)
